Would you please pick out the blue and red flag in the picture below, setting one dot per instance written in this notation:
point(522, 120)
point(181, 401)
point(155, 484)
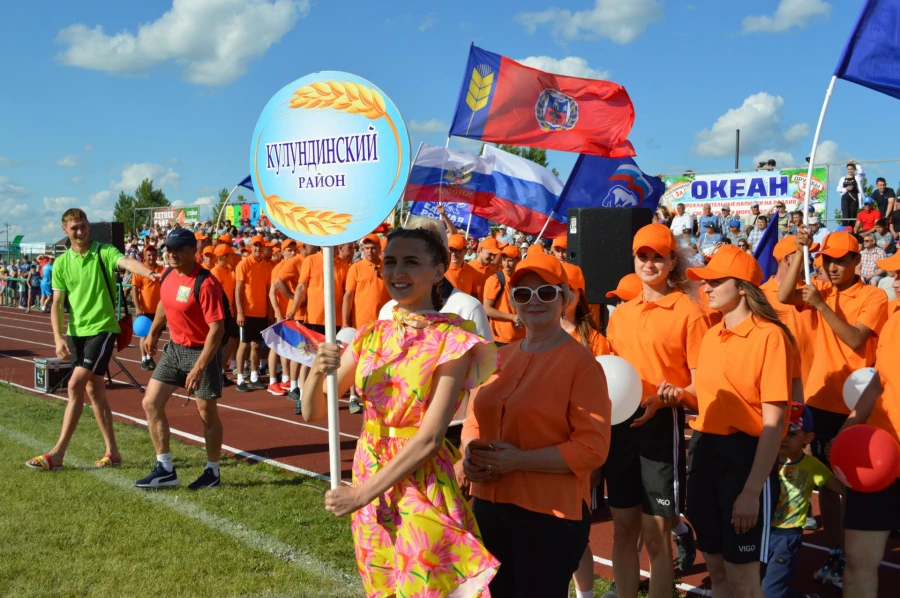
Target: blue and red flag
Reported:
point(293, 341)
point(598, 182)
point(870, 56)
point(506, 102)
point(765, 251)
point(459, 213)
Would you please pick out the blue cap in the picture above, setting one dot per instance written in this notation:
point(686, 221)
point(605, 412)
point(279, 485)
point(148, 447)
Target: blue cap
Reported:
point(801, 418)
point(734, 223)
point(867, 200)
point(180, 238)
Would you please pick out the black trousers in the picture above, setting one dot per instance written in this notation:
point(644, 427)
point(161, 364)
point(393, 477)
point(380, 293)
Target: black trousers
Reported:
point(538, 553)
point(849, 209)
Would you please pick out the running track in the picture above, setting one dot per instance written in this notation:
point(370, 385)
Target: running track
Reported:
point(260, 426)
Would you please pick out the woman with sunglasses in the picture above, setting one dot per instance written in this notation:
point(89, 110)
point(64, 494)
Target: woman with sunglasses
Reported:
point(659, 334)
point(413, 530)
point(742, 388)
point(533, 435)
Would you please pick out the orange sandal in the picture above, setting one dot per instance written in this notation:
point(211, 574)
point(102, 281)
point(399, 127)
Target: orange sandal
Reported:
point(107, 461)
point(43, 463)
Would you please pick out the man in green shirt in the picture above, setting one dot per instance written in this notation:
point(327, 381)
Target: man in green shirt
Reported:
point(82, 275)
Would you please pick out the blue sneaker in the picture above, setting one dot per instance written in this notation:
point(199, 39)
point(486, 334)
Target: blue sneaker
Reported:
point(206, 481)
point(158, 478)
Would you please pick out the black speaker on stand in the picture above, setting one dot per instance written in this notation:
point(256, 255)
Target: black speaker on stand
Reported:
point(111, 233)
point(600, 244)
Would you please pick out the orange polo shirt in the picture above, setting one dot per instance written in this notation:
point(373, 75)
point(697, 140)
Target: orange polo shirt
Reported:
point(886, 413)
point(537, 400)
point(740, 369)
point(370, 292)
point(226, 279)
point(503, 331)
point(661, 339)
point(799, 323)
point(283, 302)
point(597, 343)
point(312, 274)
point(290, 274)
point(255, 274)
point(833, 361)
point(463, 279)
point(893, 306)
point(148, 292)
point(482, 274)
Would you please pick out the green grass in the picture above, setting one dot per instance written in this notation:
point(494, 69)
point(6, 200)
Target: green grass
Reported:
point(88, 532)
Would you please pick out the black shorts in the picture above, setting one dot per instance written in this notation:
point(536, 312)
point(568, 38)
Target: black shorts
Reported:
point(718, 468)
point(539, 552)
point(826, 425)
point(177, 361)
point(873, 511)
point(251, 331)
point(646, 465)
point(92, 352)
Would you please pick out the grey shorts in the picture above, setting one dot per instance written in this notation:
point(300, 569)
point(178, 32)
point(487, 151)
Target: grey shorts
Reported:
point(177, 361)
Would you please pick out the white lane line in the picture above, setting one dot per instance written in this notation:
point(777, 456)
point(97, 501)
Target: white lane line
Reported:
point(682, 586)
point(251, 538)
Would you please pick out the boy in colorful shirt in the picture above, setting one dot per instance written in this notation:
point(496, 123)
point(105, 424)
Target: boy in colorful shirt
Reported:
point(799, 474)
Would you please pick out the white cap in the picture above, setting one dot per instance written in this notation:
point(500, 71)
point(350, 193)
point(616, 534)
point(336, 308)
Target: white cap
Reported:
point(814, 220)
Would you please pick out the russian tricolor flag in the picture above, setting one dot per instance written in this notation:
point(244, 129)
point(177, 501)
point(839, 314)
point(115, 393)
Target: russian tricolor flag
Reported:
point(294, 341)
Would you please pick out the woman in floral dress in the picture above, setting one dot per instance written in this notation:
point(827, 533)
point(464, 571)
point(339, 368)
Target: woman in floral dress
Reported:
point(414, 533)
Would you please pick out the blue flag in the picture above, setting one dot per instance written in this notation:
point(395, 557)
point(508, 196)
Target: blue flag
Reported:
point(870, 57)
point(764, 253)
point(598, 182)
point(458, 212)
point(247, 182)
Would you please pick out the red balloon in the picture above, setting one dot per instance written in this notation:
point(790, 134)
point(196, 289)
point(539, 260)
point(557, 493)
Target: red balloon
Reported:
point(865, 458)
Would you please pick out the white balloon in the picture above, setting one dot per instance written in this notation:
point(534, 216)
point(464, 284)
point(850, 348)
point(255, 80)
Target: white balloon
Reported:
point(345, 335)
point(624, 386)
point(855, 384)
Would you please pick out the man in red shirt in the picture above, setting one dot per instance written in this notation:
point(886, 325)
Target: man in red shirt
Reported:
point(192, 359)
point(865, 220)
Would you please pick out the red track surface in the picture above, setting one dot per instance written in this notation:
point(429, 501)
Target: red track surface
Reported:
point(264, 427)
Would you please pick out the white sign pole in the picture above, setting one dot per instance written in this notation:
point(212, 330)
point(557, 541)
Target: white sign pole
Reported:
point(331, 382)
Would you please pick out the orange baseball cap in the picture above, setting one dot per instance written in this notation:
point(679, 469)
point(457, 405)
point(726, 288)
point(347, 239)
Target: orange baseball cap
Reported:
point(457, 242)
point(537, 247)
point(561, 241)
point(544, 265)
point(245, 250)
point(153, 247)
point(287, 243)
point(657, 237)
point(729, 262)
point(371, 238)
point(788, 245)
point(224, 239)
point(891, 264)
point(223, 250)
point(575, 276)
point(838, 244)
point(208, 250)
point(257, 240)
point(628, 288)
point(510, 251)
point(490, 244)
point(273, 243)
point(200, 236)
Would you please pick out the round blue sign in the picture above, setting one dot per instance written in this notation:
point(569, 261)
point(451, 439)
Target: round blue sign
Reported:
point(329, 158)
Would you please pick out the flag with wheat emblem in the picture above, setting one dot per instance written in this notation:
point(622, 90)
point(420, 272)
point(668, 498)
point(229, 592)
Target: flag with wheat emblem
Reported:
point(503, 101)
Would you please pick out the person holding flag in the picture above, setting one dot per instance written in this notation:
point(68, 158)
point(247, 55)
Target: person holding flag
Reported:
point(461, 275)
point(412, 372)
point(483, 264)
point(279, 308)
point(505, 323)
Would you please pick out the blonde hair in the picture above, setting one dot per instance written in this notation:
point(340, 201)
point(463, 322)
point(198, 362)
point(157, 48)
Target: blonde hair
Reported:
point(678, 278)
point(762, 309)
point(430, 224)
point(73, 214)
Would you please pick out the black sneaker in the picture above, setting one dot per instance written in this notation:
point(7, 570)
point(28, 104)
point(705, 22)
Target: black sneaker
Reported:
point(294, 395)
point(158, 478)
point(685, 550)
point(242, 387)
point(206, 481)
point(152, 364)
point(226, 381)
point(258, 385)
point(145, 365)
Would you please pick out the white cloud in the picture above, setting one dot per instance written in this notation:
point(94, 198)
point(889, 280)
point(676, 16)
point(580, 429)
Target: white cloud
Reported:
point(10, 190)
point(58, 205)
point(782, 159)
point(4, 161)
point(621, 22)
point(134, 174)
point(68, 161)
point(759, 120)
point(796, 133)
point(789, 14)
point(429, 126)
point(428, 23)
point(101, 198)
point(828, 152)
point(88, 147)
point(17, 210)
point(76, 180)
point(572, 66)
point(213, 41)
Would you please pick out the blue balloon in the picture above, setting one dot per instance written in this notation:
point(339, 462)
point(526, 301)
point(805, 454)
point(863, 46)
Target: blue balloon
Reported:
point(141, 326)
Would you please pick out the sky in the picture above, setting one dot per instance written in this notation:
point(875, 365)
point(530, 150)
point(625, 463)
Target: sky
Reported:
point(98, 95)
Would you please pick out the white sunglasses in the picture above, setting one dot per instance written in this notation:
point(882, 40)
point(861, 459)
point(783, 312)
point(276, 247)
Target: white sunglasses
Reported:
point(547, 293)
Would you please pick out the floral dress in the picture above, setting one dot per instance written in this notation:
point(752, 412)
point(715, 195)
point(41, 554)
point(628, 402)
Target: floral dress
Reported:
point(419, 539)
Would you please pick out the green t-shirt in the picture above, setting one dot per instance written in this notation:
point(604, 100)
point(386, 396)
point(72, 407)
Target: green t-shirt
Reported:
point(92, 309)
point(797, 480)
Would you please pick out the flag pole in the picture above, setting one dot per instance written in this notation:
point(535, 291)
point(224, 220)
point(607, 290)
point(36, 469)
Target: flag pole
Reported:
point(809, 174)
point(411, 166)
point(468, 226)
point(219, 217)
point(331, 382)
point(546, 224)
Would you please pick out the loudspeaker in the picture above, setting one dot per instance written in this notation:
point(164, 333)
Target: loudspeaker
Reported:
point(600, 244)
point(112, 233)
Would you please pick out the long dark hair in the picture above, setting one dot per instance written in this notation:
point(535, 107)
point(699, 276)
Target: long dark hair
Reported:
point(584, 322)
point(434, 248)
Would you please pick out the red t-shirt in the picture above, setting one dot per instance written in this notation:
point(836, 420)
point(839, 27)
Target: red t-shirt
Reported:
point(188, 320)
point(868, 219)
